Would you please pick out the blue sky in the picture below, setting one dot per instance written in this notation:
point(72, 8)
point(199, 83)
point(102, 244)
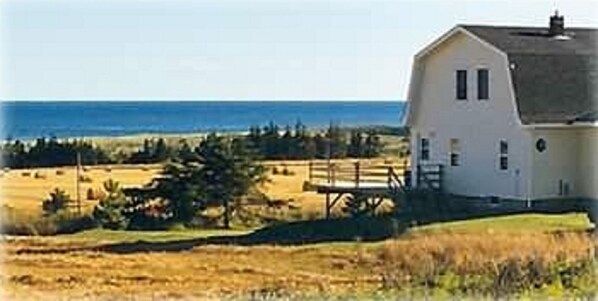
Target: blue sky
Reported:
point(236, 49)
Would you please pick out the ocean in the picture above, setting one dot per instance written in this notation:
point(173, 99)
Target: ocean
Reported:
point(73, 119)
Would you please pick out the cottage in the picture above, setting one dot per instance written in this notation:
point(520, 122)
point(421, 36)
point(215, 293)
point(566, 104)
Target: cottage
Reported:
point(509, 112)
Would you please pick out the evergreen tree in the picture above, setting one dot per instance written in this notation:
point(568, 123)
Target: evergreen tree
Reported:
point(337, 141)
point(373, 145)
point(110, 211)
point(228, 172)
point(356, 147)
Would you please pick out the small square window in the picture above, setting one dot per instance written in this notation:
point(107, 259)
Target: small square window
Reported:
point(454, 151)
point(454, 159)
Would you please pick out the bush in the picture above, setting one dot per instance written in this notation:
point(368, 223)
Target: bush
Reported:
point(14, 223)
point(58, 201)
point(109, 213)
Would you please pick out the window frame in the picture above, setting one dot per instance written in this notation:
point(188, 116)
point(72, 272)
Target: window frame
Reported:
point(503, 155)
point(454, 152)
point(483, 94)
point(424, 149)
point(461, 84)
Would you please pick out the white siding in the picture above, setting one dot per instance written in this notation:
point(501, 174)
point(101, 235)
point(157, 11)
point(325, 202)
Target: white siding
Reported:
point(557, 165)
point(588, 163)
point(478, 124)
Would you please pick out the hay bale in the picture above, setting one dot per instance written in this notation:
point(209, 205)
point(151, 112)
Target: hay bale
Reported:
point(85, 179)
point(26, 174)
point(108, 169)
point(287, 172)
point(39, 175)
point(6, 169)
point(91, 194)
point(59, 172)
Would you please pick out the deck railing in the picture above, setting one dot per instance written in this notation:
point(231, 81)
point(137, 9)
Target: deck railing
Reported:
point(357, 173)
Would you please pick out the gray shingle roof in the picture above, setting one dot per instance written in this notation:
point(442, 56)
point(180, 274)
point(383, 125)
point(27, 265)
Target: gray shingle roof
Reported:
point(555, 80)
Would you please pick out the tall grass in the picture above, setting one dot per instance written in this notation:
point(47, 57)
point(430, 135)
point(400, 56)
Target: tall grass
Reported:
point(14, 222)
point(497, 264)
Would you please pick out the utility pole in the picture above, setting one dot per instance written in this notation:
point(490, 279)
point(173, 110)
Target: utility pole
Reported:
point(78, 182)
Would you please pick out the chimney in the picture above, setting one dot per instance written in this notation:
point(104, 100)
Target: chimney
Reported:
point(557, 25)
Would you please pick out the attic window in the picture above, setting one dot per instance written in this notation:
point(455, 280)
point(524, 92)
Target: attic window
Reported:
point(461, 79)
point(483, 84)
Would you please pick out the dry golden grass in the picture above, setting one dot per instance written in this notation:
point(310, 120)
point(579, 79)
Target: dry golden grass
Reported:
point(24, 193)
point(475, 252)
point(208, 271)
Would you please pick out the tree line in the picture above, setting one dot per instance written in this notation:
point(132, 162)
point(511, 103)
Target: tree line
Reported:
point(51, 152)
point(270, 142)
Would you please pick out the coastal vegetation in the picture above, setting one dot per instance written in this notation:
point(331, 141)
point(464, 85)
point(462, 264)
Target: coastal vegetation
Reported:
point(270, 142)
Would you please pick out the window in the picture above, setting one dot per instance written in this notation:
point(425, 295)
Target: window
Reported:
point(461, 84)
point(454, 151)
point(504, 155)
point(483, 84)
point(425, 149)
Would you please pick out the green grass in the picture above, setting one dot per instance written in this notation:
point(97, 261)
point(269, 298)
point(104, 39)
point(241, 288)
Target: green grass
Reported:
point(515, 223)
point(149, 236)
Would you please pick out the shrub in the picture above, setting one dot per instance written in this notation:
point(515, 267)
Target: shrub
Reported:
point(58, 200)
point(109, 213)
point(16, 223)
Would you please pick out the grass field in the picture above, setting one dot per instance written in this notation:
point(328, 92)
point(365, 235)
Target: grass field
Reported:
point(479, 257)
point(69, 266)
point(24, 193)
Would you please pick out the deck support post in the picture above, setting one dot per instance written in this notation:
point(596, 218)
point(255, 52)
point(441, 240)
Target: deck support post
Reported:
point(330, 204)
point(357, 174)
point(327, 205)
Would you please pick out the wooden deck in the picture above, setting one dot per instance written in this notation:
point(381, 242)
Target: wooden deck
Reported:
point(372, 181)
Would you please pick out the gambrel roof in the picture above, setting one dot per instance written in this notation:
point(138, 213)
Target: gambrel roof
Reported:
point(555, 78)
